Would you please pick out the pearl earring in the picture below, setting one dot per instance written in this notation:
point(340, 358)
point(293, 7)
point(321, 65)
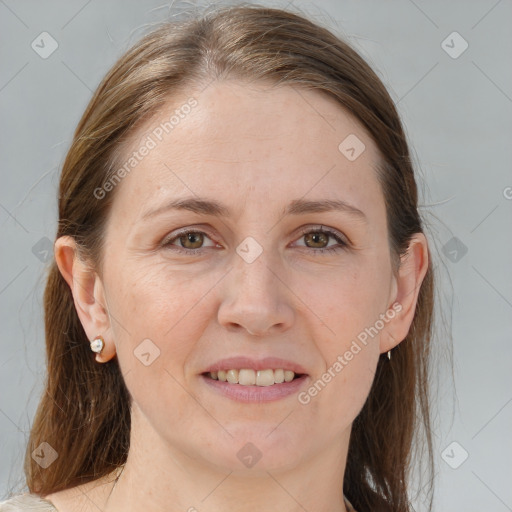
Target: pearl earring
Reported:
point(389, 355)
point(97, 344)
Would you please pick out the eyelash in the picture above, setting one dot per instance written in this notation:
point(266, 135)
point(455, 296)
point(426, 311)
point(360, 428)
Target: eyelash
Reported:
point(342, 243)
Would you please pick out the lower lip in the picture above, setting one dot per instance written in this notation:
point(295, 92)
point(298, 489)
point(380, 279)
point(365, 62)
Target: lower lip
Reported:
point(250, 394)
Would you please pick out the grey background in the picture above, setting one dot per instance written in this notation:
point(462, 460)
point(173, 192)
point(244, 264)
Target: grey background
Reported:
point(457, 113)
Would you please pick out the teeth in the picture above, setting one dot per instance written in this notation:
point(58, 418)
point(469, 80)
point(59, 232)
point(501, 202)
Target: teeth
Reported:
point(249, 377)
point(232, 376)
point(265, 378)
point(278, 376)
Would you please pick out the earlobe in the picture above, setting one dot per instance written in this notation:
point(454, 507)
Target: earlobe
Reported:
point(103, 351)
point(413, 268)
point(88, 294)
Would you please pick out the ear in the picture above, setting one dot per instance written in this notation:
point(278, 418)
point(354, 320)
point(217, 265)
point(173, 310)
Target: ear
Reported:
point(88, 294)
point(405, 290)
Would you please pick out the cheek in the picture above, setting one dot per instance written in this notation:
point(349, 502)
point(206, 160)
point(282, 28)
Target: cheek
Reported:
point(158, 317)
point(349, 306)
point(336, 403)
point(157, 300)
point(346, 301)
point(162, 320)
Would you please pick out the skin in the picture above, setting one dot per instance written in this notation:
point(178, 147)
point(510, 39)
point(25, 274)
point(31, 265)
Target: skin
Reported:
point(254, 149)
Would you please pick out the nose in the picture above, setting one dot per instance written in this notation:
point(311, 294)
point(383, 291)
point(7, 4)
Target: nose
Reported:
point(256, 298)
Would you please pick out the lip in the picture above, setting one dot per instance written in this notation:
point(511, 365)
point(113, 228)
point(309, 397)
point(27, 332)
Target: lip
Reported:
point(266, 363)
point(255, 394)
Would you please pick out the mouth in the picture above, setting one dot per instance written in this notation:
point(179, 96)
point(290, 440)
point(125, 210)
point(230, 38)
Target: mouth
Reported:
point(255, 380)
point(248, 386)
point(250, 377)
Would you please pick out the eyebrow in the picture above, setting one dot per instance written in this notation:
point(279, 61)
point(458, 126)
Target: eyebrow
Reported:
point(296, 207)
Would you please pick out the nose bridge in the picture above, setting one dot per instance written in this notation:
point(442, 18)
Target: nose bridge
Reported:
point(255, 297)
point(253, 265)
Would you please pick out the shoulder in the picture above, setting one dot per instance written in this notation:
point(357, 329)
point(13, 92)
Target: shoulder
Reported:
point(24, 502)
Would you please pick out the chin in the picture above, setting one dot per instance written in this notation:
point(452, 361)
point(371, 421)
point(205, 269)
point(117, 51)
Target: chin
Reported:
point(253, 452)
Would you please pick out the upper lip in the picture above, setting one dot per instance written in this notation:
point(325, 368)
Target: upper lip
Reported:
point(242, 362)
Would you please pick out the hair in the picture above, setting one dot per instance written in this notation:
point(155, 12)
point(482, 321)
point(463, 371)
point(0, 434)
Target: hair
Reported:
point(84, 412)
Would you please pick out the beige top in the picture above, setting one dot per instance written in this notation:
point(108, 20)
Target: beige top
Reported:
point(24, 502)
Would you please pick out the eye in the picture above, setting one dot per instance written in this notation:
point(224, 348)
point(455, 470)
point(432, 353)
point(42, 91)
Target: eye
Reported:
point(321, 236)
point(190, 241)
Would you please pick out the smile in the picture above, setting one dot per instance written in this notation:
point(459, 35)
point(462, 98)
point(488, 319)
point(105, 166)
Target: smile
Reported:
point(238, 384)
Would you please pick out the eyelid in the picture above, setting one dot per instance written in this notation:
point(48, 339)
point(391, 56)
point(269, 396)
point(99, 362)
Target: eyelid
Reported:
point(183, 231)
point(333, 233)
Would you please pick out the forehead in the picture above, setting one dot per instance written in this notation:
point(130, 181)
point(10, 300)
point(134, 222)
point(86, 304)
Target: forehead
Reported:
point(257, 142)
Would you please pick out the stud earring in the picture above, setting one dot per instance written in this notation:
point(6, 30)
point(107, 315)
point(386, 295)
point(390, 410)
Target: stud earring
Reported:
point(389, 355)
point(97, 344)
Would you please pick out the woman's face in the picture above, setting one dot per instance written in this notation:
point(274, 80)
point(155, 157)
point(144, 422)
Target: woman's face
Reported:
point(249, 283)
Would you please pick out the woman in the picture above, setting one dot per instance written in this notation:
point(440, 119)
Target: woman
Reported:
point(240, 309)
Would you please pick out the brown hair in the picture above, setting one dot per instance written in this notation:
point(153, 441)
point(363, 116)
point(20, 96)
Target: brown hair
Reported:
point(84, 413)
